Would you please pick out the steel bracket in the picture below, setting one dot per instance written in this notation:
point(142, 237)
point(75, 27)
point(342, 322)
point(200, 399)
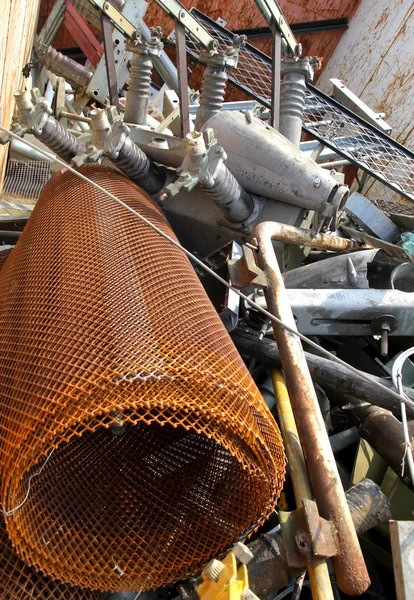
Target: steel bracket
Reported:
point(306, 535)
point(245, 271)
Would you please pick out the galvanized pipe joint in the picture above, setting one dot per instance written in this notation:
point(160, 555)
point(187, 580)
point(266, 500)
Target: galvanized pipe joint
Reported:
point(139, 82)
point(218, 62)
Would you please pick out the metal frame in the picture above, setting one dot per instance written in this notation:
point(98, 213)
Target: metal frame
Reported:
point(370, 138)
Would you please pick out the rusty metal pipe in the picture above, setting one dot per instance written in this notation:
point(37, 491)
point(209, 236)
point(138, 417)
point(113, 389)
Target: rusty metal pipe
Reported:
point(303, 237)
point(320, 581)
point(349, 565)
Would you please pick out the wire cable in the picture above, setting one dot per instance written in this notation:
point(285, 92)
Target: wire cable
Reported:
point(200, 263)
point(397, 379)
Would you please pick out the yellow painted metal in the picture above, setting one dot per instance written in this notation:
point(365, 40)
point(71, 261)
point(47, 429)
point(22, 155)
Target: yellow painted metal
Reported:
point(232, 584)
point(318, 570)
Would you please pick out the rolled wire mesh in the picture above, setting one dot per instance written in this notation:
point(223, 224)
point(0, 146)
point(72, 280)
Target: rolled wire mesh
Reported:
point(105, 329)
point(19, 582)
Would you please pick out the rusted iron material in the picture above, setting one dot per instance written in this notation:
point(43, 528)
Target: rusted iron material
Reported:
point(182, 78)
point(303, 237)
point(333, 377)
point(382, 430)
point(349, 565)
point(82, 35)
point(307, 538)
point(268, 570)
point(318, 571)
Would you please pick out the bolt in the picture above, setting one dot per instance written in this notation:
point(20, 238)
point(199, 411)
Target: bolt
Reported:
point(213, 570)
point(203, 178)
point(242, 552)
point(317, 182)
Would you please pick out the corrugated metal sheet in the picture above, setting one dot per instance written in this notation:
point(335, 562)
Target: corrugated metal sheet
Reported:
point(374, 58)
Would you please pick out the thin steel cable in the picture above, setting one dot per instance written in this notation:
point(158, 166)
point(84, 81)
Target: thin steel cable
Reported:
point(200, 263)
point(11, 512)
point(396, 374)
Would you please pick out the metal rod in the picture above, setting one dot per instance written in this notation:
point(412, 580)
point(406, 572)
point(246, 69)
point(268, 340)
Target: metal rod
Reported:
point(110, 60)
point(276, 58)
point(303, 237)
point(74, 117)
point(349, 565)
point(182, 78)
point(333, 377)
point(318, 569)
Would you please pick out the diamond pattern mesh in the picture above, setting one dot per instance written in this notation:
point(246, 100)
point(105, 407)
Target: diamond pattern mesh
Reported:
point(20, 582)
point(324, 119)
point(105, 330)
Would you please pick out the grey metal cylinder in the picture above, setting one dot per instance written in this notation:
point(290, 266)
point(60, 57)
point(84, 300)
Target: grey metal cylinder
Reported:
point(292, 104)
point(212, 95)
point(139, 82)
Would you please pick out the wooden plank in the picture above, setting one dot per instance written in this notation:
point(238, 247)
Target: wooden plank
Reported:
point(18, 27)
point(402, 540)
point(82, 35)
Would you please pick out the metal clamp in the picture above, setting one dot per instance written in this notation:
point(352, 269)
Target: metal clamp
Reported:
point(153, 47)
point(225, 59)
point(306, 535)
point(304, 66)
point(228, 579)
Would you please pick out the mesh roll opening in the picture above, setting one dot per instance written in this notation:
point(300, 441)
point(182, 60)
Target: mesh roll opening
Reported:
point(103, 323)
point(109, 492)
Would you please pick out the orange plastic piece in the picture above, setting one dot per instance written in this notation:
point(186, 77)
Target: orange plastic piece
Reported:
point(105, 329)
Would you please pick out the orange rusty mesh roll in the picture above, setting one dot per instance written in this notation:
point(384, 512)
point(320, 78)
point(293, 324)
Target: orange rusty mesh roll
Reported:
point(105, 329)
point(19, 582)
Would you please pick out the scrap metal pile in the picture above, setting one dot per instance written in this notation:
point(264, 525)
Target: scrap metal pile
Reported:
point(205, 384)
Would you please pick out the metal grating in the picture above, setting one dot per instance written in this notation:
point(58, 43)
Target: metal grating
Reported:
point(121, 390)
point(324, 119)
point(19, 582)
point(23, 183)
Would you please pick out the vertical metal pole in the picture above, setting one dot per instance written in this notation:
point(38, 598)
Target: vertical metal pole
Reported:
point(276, 58)
point(182, 78)
point(110, 60)
point(318, 570)
point(350, 570)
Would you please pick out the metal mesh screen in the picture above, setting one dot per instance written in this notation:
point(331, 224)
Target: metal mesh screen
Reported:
point(324, 119)
point(106, 329)
point(23, 183)
point(20, 582)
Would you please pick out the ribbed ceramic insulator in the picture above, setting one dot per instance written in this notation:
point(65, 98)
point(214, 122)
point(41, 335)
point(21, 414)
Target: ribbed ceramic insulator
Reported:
point(212, 95)
point(136, 104)
point(60, 140)
point(292, 103)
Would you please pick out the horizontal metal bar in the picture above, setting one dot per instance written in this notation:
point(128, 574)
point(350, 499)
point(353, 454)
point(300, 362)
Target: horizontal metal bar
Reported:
point(298, 28)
